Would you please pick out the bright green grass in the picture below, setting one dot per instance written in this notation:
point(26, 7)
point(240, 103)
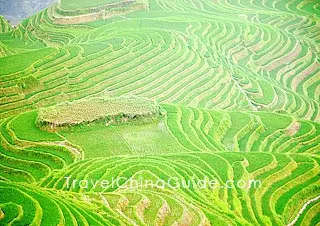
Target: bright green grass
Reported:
point(22, 61)
point(274, 122)
point(179, 53)
point(74, 4)
point(25, 128)
point(98, 140)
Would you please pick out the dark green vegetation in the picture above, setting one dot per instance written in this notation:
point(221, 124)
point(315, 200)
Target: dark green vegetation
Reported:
point(239, 82)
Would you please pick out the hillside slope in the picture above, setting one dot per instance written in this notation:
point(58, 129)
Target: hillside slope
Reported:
point(237, 85)
point(237, 57)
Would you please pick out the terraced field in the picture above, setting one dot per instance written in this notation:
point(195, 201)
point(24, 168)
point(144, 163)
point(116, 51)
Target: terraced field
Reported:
point(238, 86)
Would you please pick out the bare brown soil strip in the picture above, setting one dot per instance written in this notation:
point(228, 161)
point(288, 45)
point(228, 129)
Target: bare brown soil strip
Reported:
point(304, 74)
point(293, 129)
point(162, 214)
point(122, 204)
point(285, 59)
point(142, 205)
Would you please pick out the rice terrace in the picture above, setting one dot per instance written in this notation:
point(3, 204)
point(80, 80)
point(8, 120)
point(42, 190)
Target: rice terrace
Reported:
point(161, 112)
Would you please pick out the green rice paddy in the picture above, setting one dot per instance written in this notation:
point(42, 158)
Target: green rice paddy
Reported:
point(237, 85)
